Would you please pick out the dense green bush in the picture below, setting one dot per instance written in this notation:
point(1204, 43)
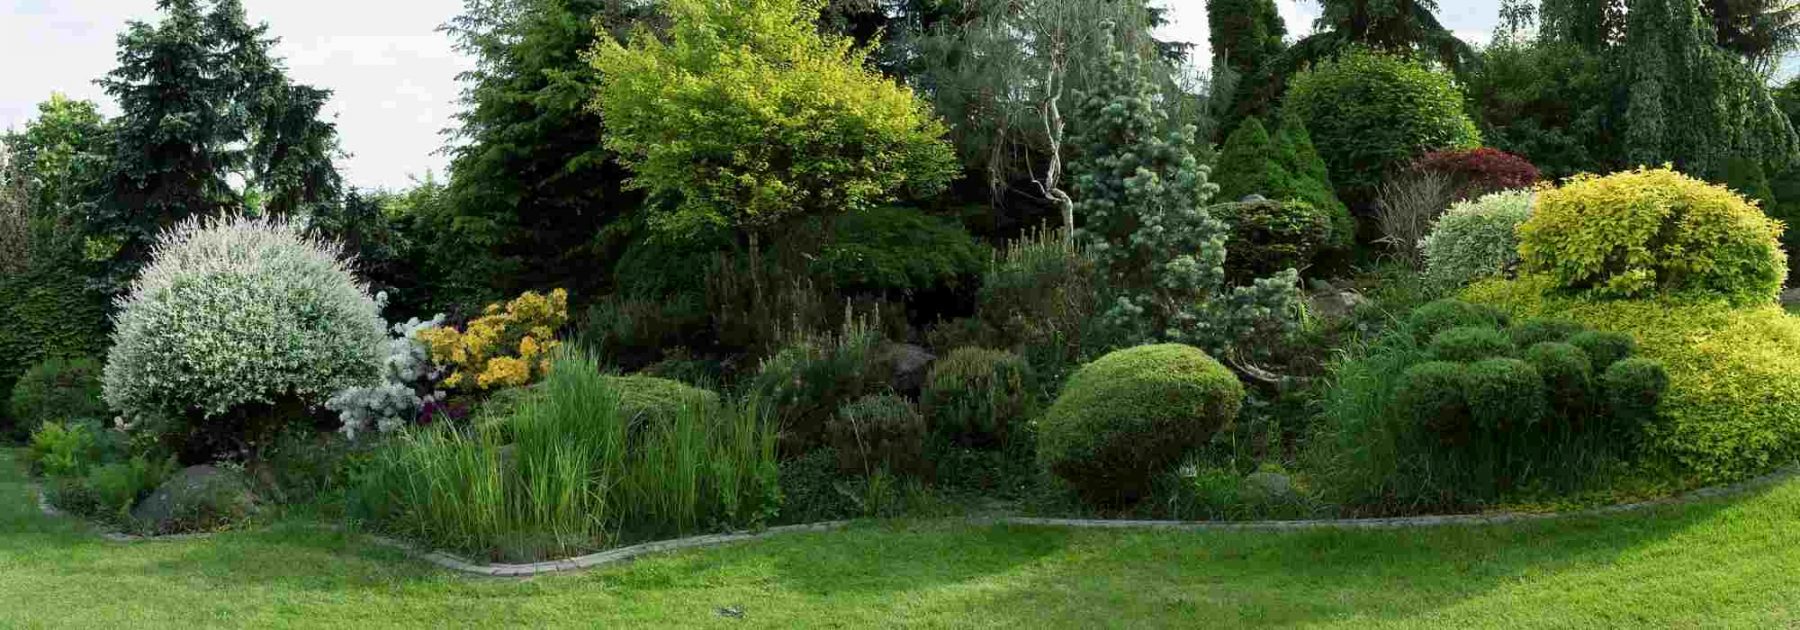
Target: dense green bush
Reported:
point(1733, 403)
point(1641, 233)
point(48, 311)
point(649, 399)
point(1604, 348)
point(1268, 237)
point(977, 396)
point(1429, 320)
point(1634, 389)
point(1040, 296)
point(1435, 396)
point(1468, 344)
point(1476, 239)
point(1505, 395)
point(807, 382)
point(59, 449)
point(57, 389)
point(882, 432)
point(1131, 415)
point(1370, 112)
point(1568, 376)
point(1534, 331)
point(900, 250)
point(1282, 167)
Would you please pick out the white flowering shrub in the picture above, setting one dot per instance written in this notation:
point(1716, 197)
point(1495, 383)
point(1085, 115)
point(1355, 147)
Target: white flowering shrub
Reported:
point(1476, 239)
point(233, 313)
point(396, 400)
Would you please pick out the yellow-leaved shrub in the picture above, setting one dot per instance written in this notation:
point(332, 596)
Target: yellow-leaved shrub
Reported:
point(507, 346)
point(1733, 404)
point(1649, 232)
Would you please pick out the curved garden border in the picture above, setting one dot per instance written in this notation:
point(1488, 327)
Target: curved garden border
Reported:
point(453, 562)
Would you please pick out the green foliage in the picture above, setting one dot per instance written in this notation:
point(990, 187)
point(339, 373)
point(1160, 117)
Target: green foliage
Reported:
point(1550, 102)
point(978, 396)
point(1470, 344)
point(881, 432)
point(1245, 34)
point(900, 250)
point(651, 399)
point(48, 311)
point(1435, 396)
point(1442, 315)
point(1370, 112)
point(118, 487)
point(61, 154)
point(61, 449)
point(1634, 390)
point(806, 382)
point(568, 471)
point(1476, 239)
point(770, 121)
point(1653, 231)
point(1269, 237)
point(1605, 348)
point(1733, 402)
point(1532, 332)
point(58, 389)
point(1040, 296)
point(1568, 373)
point(1286, 167)
point(1505, 395)
point(1131, 415)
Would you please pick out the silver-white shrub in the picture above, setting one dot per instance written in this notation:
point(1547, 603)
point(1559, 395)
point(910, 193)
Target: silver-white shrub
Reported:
point(396, 400)
point(1476, 239)
point(235, 311)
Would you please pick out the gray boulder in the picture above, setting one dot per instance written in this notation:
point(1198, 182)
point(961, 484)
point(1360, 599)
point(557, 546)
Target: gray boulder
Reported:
point(909, 366)
point(199, 498)
point(1268, 489)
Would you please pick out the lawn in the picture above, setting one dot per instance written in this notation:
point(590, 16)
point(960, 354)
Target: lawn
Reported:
point(1722, 563)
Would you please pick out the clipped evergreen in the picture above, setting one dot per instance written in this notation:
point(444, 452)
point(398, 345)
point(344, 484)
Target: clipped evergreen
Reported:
point(1280, 166)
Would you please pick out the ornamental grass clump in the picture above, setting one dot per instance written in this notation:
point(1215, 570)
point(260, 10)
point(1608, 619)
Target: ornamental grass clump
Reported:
point(235, 318)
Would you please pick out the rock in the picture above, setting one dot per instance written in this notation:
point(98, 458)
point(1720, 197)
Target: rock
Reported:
point(1267, 488)
point(199, 498)
point(909, 366)
point(1335, 305)
point(1252, 198)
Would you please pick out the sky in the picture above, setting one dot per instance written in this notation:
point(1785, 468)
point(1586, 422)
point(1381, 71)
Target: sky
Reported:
point(393, 73)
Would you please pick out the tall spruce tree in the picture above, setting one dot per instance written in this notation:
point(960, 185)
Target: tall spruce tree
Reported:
point(1245, 34)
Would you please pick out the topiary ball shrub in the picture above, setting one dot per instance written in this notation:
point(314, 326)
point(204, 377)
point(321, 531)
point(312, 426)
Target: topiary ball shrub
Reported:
point(1469, 344)
point(1131, 415)
point(233, 320)
point(1429, 320)
point(976, 396)
point(1268, 237)
point(1568, 377)
point(644, 398)
point(1532, 332)
point(58, 389)
point(1505, 395)
point(883, 432)
point(1634, 389)
point(1476, 239)
point(1604, 348)
point(1435, 395)
point(1371, 113)
point(1646, 232)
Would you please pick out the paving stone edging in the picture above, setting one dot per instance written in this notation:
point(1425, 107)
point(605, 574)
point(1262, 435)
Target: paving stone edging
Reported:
point(453, 562)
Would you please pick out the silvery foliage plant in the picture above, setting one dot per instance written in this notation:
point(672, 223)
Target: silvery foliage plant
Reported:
point(394, 402)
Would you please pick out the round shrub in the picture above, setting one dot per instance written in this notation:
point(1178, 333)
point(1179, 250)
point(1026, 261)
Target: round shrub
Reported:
point(1370, 112)
point(1268, 237)
point(1568, 375)
point(1532, 332)
point(1434, 395)
point(1476, 239)
point(1732, 408)
point(1131, 415)
point(1505, 394)
point(57, 389)
point(1604, 348)
point(238, 312)
point(1651, 231)
point(1634, 388)
point(1429, 320)
point(651, 398)
point(1471, 343)
point(879, 432)
point(976, 395)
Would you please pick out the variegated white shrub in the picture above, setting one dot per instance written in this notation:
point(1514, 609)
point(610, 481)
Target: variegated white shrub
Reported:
point(1476, 239)
point(394, 402)
point(236, 311)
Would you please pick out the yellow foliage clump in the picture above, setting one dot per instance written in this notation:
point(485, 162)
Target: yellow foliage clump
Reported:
point(508, 346)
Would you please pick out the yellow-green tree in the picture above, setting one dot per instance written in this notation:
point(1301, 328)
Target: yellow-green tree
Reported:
point(745, 117)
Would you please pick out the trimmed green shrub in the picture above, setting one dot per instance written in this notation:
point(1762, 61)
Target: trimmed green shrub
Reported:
point(1568, 375)
point(880, 432)
point(1429, 320)
point(1505, 395)
point(1532, 332)
point(1733, 402)
point(1268, 237)
point(48, 311)
point(647, 398)
point(1604, 348)
point(57, 389)
point(1281, 166)
point(1634, 389)
point(1371, 112)
point(898, 249)
point(1471, 343)
point(1476, 239)
point(1435, 396)
point(1638, 234)
point(1131, 415)
point(976, 396)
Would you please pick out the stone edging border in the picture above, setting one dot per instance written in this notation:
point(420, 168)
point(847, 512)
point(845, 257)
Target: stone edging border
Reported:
point(453, 562)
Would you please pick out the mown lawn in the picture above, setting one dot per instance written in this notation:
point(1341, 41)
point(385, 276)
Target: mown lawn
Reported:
point(1732, 563)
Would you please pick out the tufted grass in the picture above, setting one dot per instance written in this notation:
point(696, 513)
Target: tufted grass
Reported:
point(1728, 563)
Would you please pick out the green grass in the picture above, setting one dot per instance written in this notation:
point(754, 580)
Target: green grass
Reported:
point(1727, 563)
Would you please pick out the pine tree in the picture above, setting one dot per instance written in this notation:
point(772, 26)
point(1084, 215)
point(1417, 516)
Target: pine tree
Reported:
point(1245, 34)
point(1285, 166)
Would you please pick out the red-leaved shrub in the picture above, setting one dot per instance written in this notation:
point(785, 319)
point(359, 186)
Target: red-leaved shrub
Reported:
point(1480, 171)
